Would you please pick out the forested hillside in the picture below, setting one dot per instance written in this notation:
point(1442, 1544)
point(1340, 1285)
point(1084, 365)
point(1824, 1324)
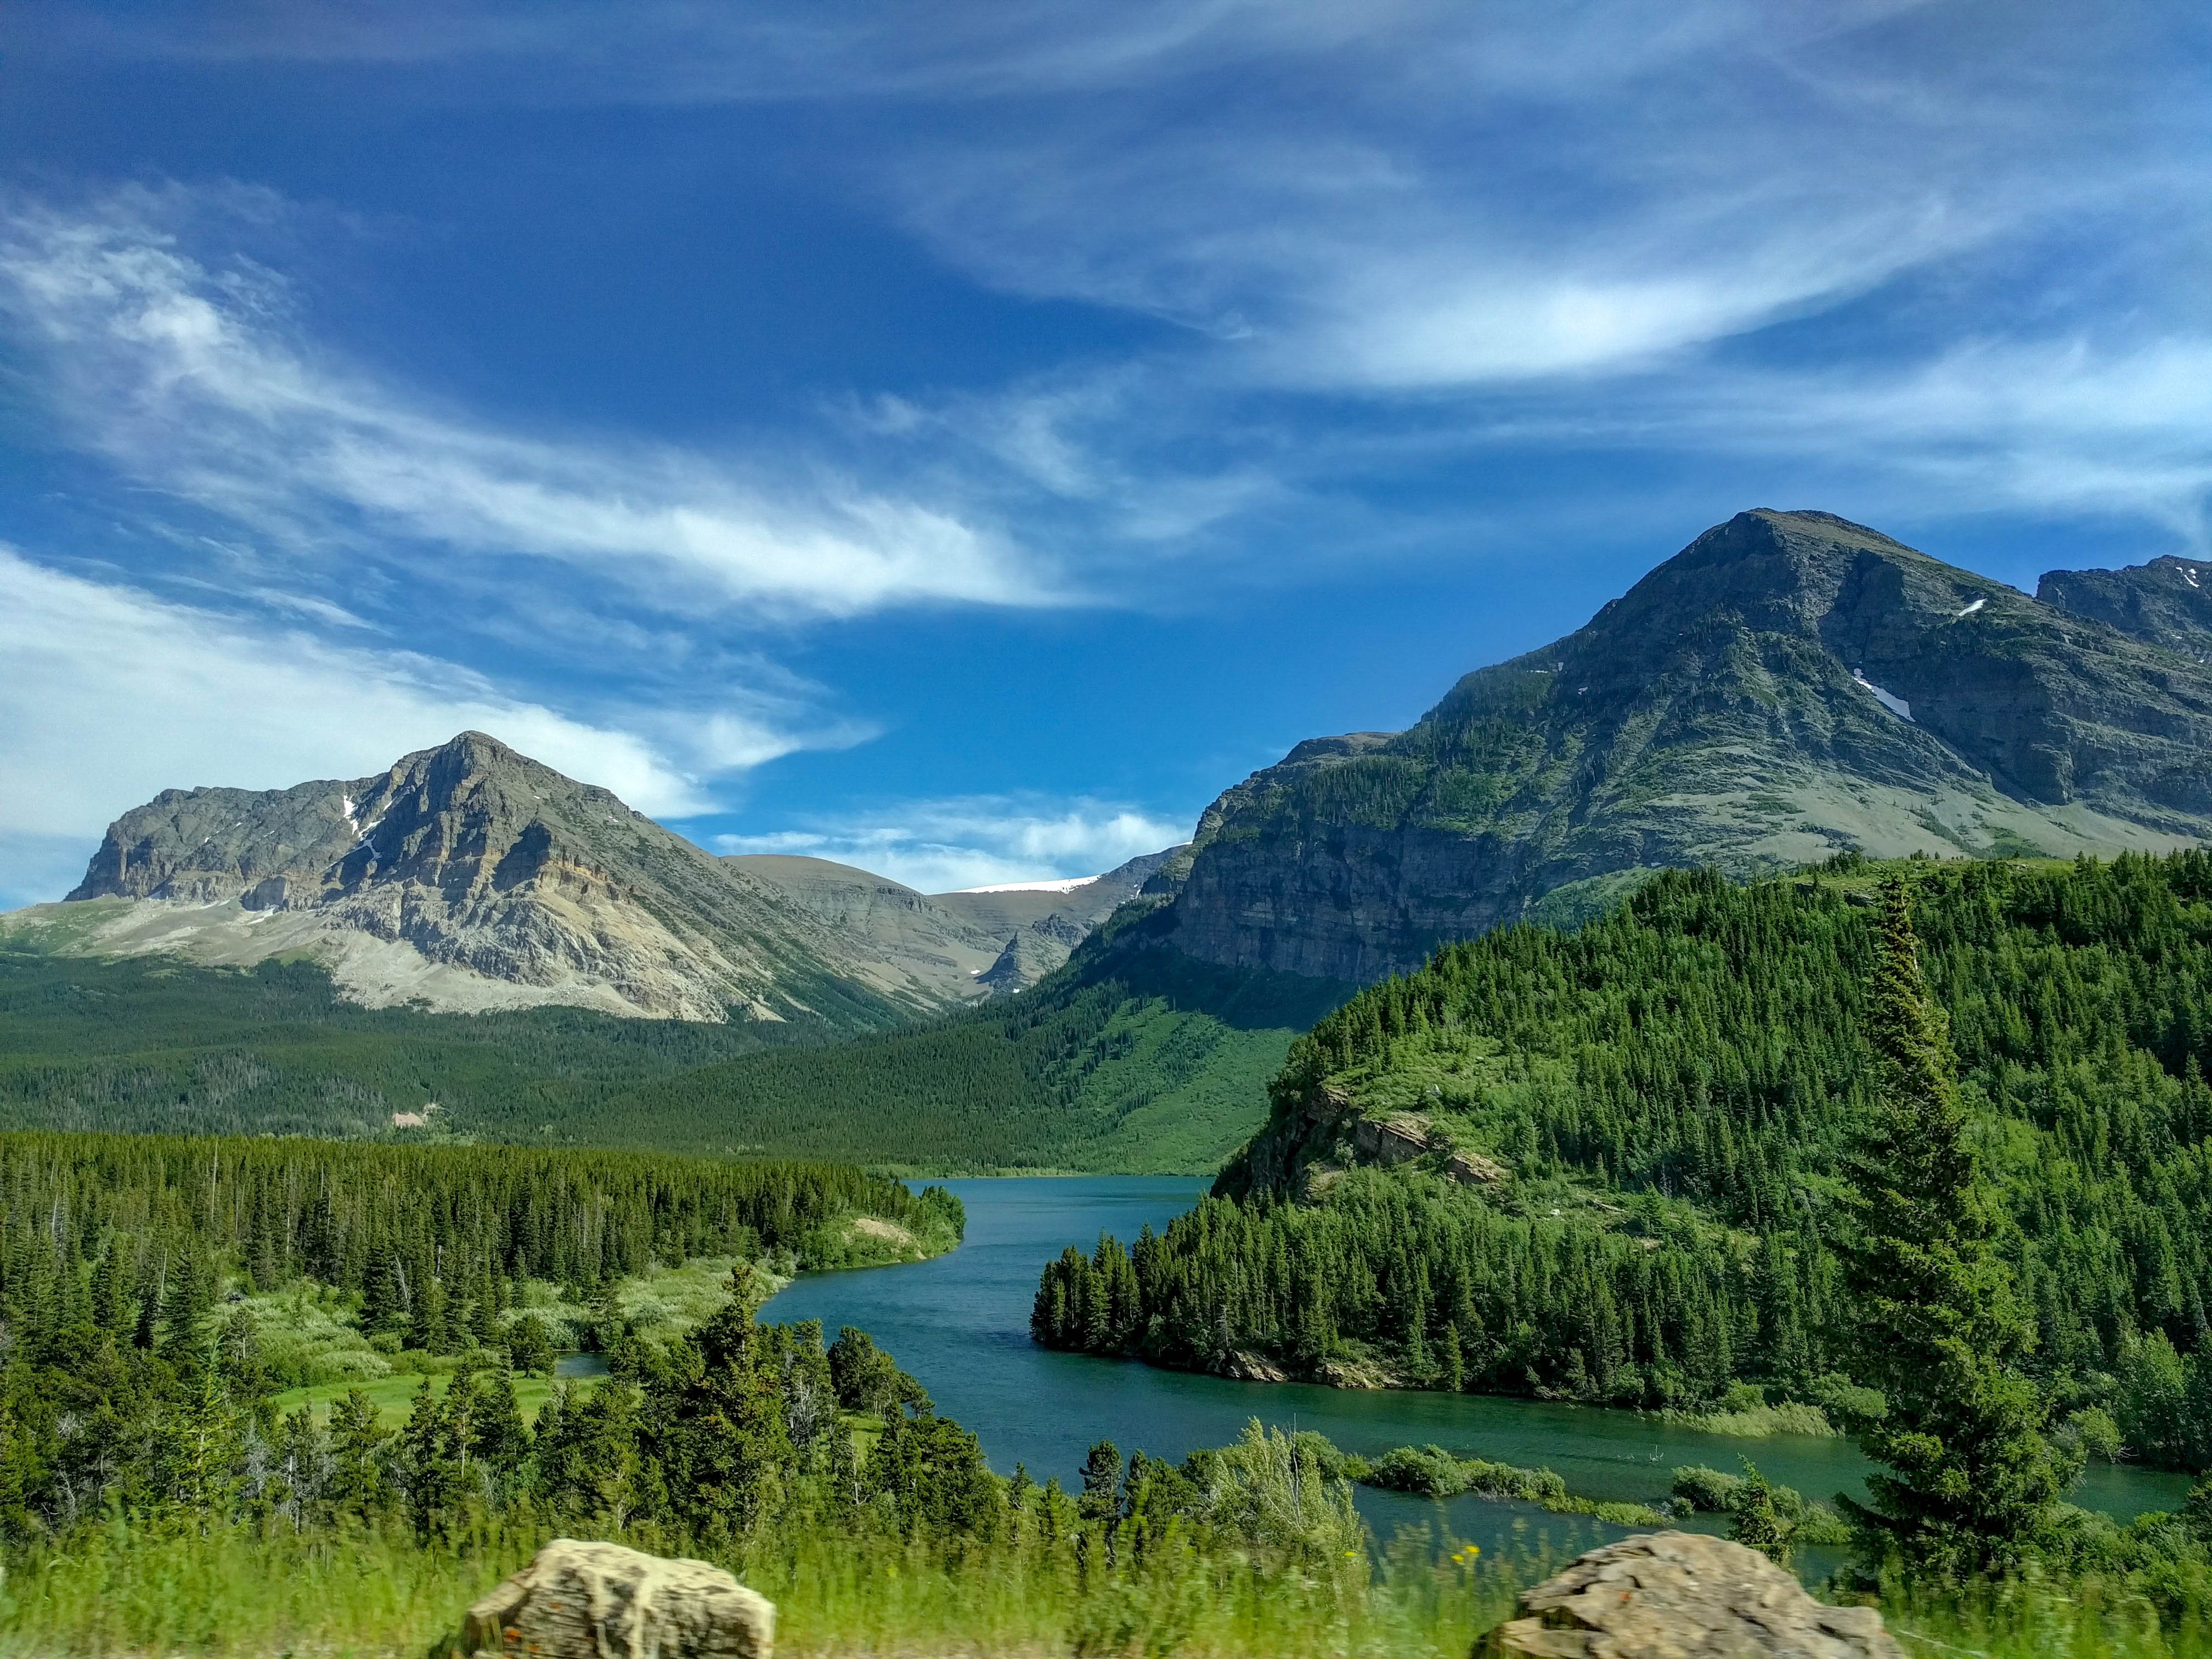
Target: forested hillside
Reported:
point(137, 1221)
point(161, 1490)
point(1605, 1164)
point(155, 1045)
point(1125, 1058)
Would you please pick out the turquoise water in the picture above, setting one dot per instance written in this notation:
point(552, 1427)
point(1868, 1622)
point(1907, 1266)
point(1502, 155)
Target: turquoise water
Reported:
point(960, 1324)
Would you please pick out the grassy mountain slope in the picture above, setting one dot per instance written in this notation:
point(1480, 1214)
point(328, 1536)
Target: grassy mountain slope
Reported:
point(1142, 1062)
point(1127, 1059)
point(153, 1044)
point(1604, 1165)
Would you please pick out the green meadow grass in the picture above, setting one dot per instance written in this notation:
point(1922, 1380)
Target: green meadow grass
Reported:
point(233, 1592)
point(308, 1329)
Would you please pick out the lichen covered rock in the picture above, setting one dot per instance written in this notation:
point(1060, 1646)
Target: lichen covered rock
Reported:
point(581, 1601)
point(1682, 1596)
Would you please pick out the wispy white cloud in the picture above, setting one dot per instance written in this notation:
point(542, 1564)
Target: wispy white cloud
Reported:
point(942, 846)
point(1383, 197)
point(1446, 196)
point(112, 696)
point(2070, 425)
point(191, 377)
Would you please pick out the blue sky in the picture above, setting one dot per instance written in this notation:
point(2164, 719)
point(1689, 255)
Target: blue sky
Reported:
point(963, 438)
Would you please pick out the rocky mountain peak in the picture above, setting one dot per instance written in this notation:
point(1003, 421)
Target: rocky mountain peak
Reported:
point(469, 875)
point(2167, 602)
point(1788, 684)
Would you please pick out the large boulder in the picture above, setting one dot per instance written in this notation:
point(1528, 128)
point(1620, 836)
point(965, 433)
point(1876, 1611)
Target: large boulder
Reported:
point(1682, 1596)
point(602, 1602)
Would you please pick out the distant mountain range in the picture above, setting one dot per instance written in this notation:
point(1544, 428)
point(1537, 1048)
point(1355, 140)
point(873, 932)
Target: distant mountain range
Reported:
point(470, 876)
point(1789, 685)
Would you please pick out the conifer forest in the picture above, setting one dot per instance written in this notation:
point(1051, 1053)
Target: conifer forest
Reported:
point(1624, 1156)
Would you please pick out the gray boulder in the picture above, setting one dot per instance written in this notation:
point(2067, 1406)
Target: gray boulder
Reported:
point(1682, 1596)
point(577, 1600)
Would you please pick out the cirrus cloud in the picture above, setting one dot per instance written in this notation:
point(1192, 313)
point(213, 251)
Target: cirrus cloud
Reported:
point(191, 377)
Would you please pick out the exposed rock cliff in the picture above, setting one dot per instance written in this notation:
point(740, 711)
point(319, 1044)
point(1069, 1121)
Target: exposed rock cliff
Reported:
point(2167, 602)
point(1789, 685)
point(470, 876)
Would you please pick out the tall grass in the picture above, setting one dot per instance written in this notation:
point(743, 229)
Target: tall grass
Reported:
point(120, 1591)
point(117, 1591)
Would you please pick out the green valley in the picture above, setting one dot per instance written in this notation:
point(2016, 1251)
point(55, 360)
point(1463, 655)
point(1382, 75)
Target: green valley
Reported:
point(1127, 1058)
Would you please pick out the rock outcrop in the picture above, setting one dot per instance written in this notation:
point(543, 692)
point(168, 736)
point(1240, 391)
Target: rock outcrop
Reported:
point(578, 1600)
point(1682, 1596)
point(470, 876)
point(1309, 1142)
point(2167, 602)
point(1789, 685)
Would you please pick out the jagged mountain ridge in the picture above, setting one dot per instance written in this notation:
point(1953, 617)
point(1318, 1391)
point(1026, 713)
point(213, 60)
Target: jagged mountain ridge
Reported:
point(1789, 684)
point(470, 877)
point(2166, 602)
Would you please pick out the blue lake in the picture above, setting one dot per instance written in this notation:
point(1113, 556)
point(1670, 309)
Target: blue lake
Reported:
point(960, 1324)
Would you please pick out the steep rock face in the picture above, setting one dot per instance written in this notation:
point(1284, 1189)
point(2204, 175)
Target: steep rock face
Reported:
point(1047, 935)
point(1035, 951)
point(468, 876)
point(2167, 602)
point(1789, 685)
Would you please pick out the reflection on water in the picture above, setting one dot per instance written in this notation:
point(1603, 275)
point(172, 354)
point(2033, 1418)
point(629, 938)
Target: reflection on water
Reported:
point(961, 1325)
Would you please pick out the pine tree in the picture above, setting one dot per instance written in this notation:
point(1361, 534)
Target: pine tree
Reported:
point(529, 1348)
point(203, 1442)
point(299, 1467)
point(498, 1437)
point(434, 1455)
point(1102, 1482)
point(358, 1489)
point(1756, 1522)
point(18, 1474)
point(1975, 1483)
point(190, 1295)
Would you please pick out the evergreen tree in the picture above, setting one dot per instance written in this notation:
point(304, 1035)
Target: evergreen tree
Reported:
point(18, 1473)
point(1974, 1483)
point(202, 1436)
point(239, 1352)
point(433, 1456)
point(1102, 1482)
point(359, 1488)
point(499, 1440)
point(299, 1469)
point(1755, 1521)
point(529, 1348)
point(184, 1309)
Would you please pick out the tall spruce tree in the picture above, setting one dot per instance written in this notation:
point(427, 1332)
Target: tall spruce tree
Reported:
point(1974, 1483)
